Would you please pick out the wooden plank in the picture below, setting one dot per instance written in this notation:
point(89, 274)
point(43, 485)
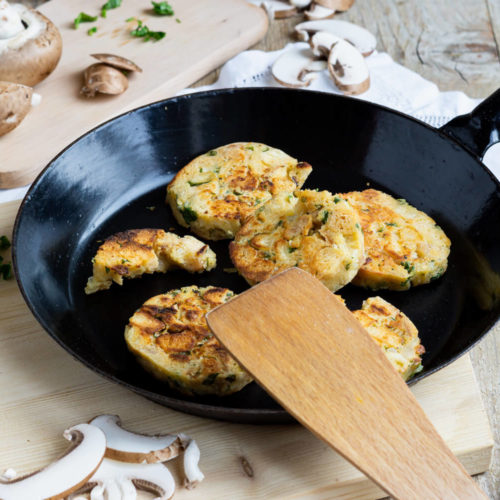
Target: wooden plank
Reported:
point(43, 390)
point(223, 28)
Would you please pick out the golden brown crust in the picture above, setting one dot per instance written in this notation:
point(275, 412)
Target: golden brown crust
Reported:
point(135, 252)
point(218, 190)
point(404, 247)
point(393, 331)
point(171, 339)
point(316, 231)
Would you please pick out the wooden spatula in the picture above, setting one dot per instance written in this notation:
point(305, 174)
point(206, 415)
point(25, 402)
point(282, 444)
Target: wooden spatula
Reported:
point(311, 354)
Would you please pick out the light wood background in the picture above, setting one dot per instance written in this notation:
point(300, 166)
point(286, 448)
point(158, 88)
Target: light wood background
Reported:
point(456, 44)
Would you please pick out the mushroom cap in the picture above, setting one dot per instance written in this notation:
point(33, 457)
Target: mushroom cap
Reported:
point(104, 79)
point(341, 5)
point(30, 62)
point(117, 62)
point(15, 103)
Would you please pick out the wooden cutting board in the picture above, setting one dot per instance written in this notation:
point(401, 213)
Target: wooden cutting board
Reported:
point(43, 390)
point(209, 33)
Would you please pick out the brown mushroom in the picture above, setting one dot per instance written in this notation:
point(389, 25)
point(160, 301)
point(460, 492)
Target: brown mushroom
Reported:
point(104, 79)
point(117, 62)
point(30, 45)
point(340, 5)
point(15, 103)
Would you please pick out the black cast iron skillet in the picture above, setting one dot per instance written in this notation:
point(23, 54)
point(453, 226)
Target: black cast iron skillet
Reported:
point(109, 180)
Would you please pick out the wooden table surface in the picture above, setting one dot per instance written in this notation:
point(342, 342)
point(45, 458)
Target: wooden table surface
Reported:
point(456, 44)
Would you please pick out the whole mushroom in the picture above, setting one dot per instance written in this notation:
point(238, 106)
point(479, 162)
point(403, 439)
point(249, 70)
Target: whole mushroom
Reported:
point(30, 44)
point(15, 102)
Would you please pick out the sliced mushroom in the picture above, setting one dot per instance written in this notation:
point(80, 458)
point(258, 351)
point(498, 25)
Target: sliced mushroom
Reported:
point(15, 102)
point(115, 480)
point(30, 54)
point(322, 42)
point(117, 62)
point(128, 446)
point(361, 38)
point(317, 12)
point(103, 79)
point(340, 5)
point(276, 9)
point(348, 68)
point(190, 462)
point(66, 474)
point(296, 67)
point(300, 4)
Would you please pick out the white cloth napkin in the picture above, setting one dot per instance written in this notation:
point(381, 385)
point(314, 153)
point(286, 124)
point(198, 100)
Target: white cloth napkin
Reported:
point(392, 85)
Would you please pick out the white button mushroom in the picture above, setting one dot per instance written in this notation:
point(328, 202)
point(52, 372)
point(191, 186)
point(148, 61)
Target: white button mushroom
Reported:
point(30, 44)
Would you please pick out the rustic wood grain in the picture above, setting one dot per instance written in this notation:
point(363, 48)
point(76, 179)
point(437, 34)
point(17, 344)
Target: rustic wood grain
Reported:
point(309, 358)
point(480, 77)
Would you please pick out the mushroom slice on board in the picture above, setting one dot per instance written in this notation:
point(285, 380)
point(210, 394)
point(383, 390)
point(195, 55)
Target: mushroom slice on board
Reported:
point(296, 67)
point(348, 69)
point(30, 54)
point(15, 102)
point(336, 4)
point(66, 474)
point(104, 79)
point(115, 480)
point(190, 462)
point(127, 446)
point(117, 62)
point(317, 12)
point(361, 38)
point(276, 9)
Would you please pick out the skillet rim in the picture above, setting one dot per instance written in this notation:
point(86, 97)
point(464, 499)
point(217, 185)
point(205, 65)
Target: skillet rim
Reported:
point(200, 407)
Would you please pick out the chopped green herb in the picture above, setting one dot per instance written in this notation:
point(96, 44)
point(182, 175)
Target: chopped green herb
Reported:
point(357, 226)
point(201, 170)
point(125, 260)
point(231, 378)
point(91, 31)
point(142, 31)
point(402, 201)
point(4, 243)
point(280, 223)
point(380, 229)
point(408, 266)
point(291, 250)
point(347, 266)
point(177, 20)
point(249, 147)
point(83, 18)
point(268, 255)
point(336, 199)
point(265, 149)
point(107, 269)
point(212, 153)
point(188, 214)
point(391, 224)
point(6, 271)
point(325, 217)
point(210, 379)
point(290, 197)
point(315, 189)
point(110, 4)
point(152, 208)
point(163, 8)
point(437, 275)
point(229, 295)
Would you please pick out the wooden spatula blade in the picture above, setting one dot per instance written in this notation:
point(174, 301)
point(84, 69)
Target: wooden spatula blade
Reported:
point(311, 354)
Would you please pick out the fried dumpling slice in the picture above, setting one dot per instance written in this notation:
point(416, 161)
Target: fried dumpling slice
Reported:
point(135, 252)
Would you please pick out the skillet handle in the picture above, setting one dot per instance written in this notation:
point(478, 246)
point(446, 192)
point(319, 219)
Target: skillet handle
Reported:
point(479, 129)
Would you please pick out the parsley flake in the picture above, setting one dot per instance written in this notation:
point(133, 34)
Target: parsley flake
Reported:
point(142, 31)
point(83, 18)
point(91, 31)
point(163, 8)
point(110, 4)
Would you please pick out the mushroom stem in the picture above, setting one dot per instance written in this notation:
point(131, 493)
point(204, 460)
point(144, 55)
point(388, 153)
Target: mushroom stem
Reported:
point(10, 21)
point(128, 446)
point(66, 474)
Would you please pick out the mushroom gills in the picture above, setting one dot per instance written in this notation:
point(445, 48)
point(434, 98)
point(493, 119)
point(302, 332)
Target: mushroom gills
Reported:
point(360, 37)
point(297, 67)
point(64, 475)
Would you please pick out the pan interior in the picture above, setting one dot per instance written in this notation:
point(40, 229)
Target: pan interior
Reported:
point(114, 179)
